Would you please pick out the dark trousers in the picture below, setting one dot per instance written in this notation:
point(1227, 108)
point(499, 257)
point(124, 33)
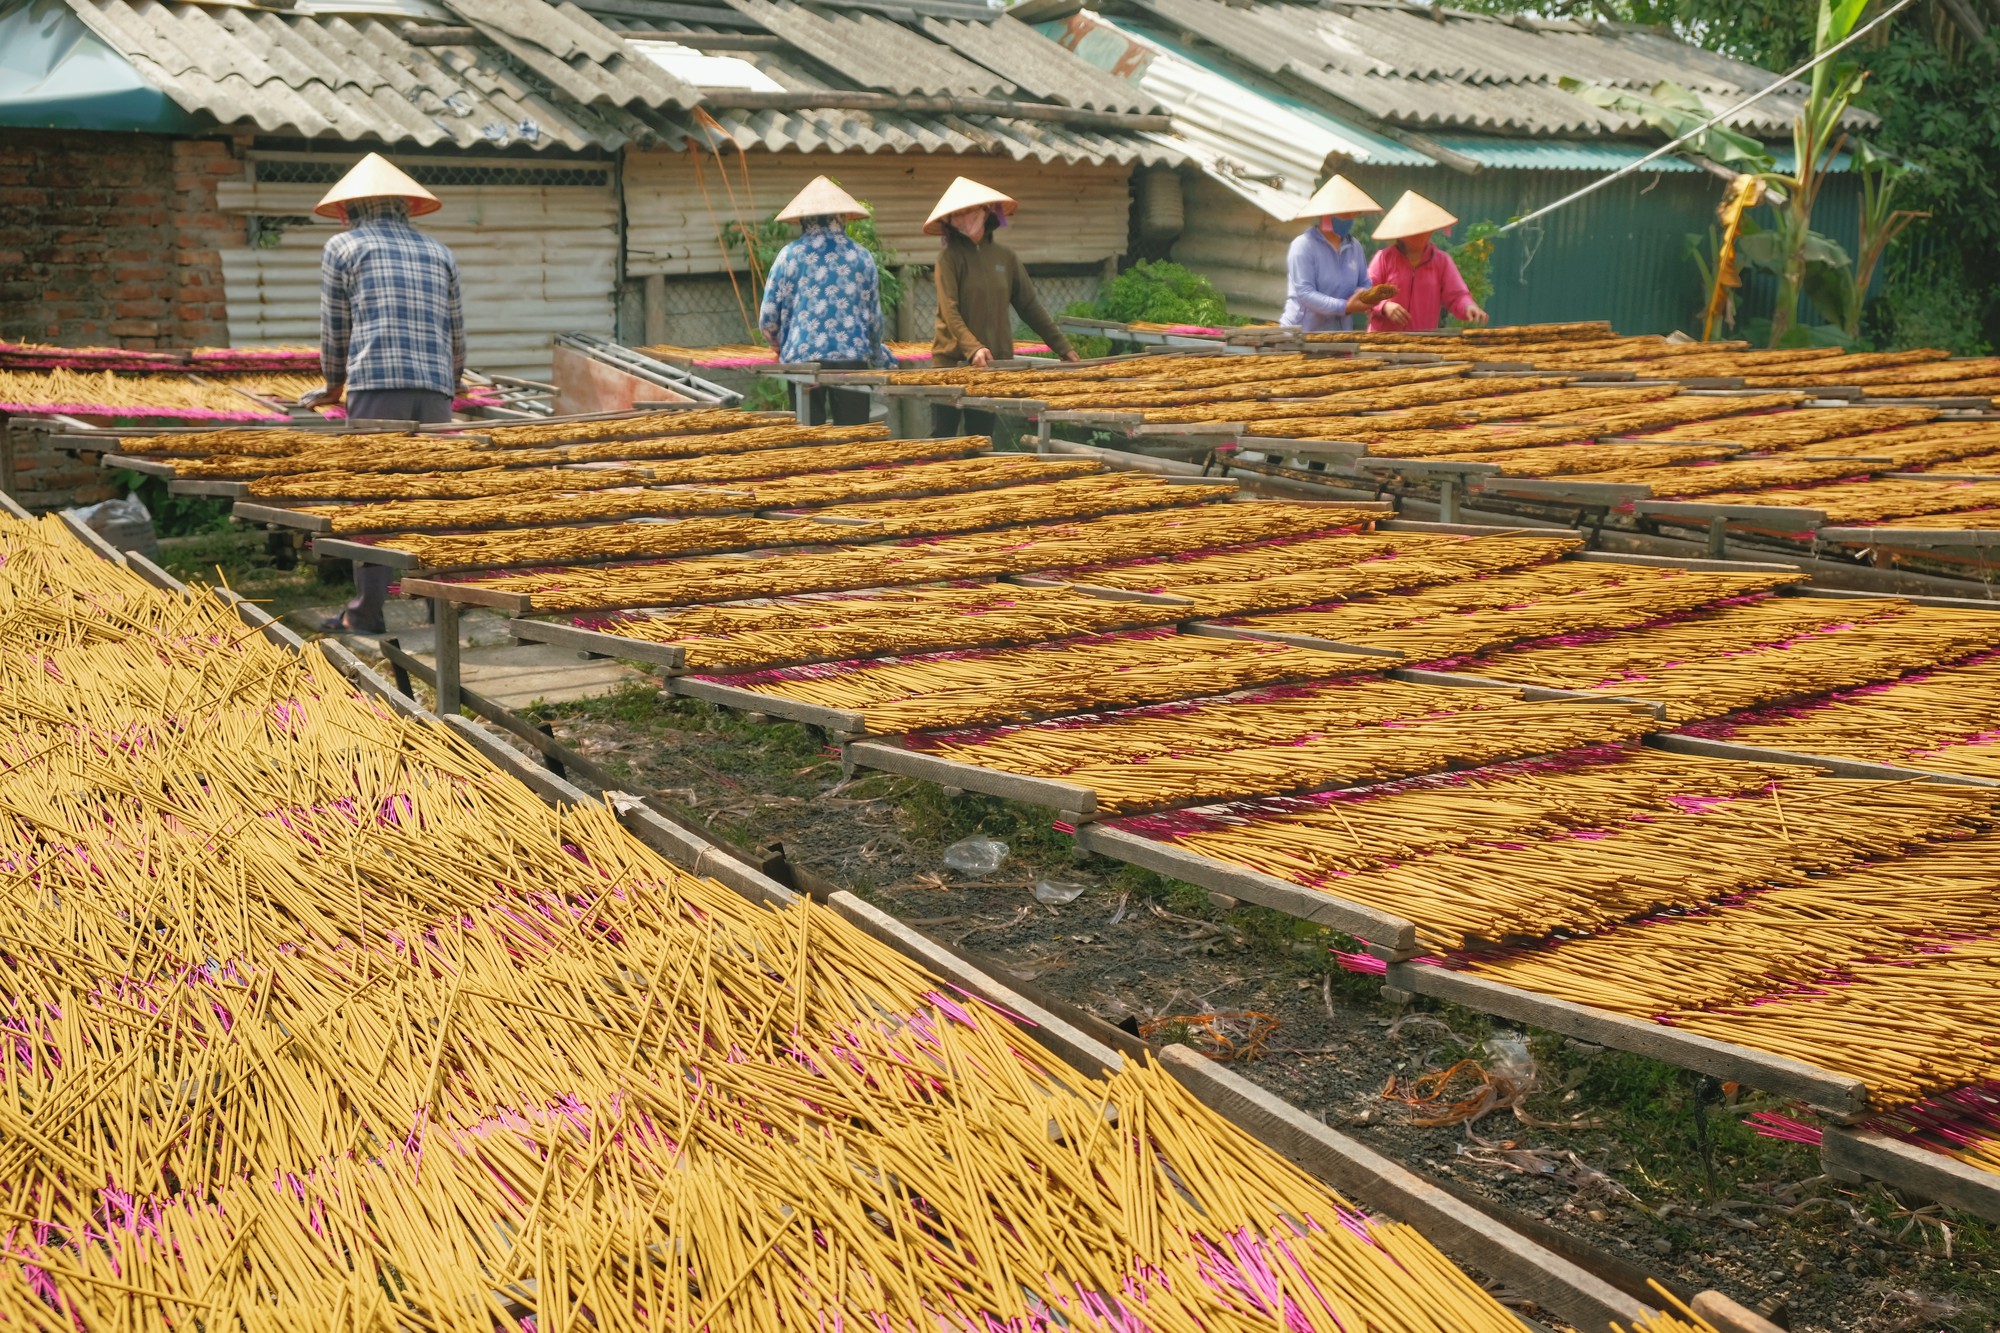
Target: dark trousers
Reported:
point(949, 421)
point(426, 406)
point(839, 407)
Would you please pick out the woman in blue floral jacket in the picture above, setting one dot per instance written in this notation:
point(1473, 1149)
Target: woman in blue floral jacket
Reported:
point(823, 299)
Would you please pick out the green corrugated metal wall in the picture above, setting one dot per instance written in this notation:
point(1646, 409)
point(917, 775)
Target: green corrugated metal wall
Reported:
point(1617, 254)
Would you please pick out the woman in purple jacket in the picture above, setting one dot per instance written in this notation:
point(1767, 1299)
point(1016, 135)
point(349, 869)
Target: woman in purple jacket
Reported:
point(1326, 270)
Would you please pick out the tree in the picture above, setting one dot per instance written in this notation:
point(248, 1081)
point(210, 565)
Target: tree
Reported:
point(1933, 78)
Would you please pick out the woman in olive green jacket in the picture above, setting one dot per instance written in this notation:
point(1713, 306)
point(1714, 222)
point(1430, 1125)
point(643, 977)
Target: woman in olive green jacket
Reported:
point(980, 284)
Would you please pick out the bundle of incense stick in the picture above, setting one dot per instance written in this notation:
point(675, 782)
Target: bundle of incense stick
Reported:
point(837, 627)
point(1964, 1123)
point(1037, 502)
point(109, 393)
point(316, 1015)
point(447, 453)
point(692, 422)
point(958, 689)
point(1918, 446)
point(1427, 392)
point(1740, 474)
point(1182, 575)
point(1593, 458)
point(531, 511)
point(1582, 841)
point(1478, 614)
point(443, 485)
point(709, 444)
point(787, 464)
point(1609, 419)
point(1708, 663)
point(1985, 387)
point(1461, 439)
point(1182, 368)
point(251, 442)
point(1009, 550)
point(1802, 426)
point(1947, 721)
point(1874, 500)
point(532, 547)
point(1883, 972)
point(1121, 393)
point(1591, 410)
point(1299, 738)
point(949, 476)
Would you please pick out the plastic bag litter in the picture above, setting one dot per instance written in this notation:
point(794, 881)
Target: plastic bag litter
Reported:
point(976, 855)
point(125, 523)
point(1509, 1062)
point(1056, 892)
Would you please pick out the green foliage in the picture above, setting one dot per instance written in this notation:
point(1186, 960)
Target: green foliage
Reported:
point(760, 244)
point(767, 395)
point(1162, 292)
point(1927, 302)
point(1474, 257)
point(174, 515)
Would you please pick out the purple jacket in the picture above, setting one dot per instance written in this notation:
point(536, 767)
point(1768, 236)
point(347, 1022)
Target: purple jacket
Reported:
point(1319, 279)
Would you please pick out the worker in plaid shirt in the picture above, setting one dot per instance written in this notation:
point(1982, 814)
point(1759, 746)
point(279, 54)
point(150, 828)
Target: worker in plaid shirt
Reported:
point(392, 333)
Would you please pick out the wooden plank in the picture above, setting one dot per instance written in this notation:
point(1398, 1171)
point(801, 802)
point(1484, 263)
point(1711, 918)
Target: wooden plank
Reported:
point(152, 573)
point(1344, 450)
point(279, 516)
point(1915, 599)
point(257, 618)
point(1675, 743)
point(146, 466)
point(1941, 476)
point(466, 594)
point(1579, 1298)
point(1396, 937)
point(1072, 1043)
point(695, 854)
point(1701, 510)
point(1683, 562)
point(1855, 1154)
point(226, 490)
point(1210, 629)
point(1426, 467)
point(1556, 490)
point(13, 507)
point(1911, 536)
point(1533, 693)
point(669, 655)
point(364, 553)
point(1473, 529)
point(1774, 1074)
point(1074, 800)
point(837, 720)
point(84, 533)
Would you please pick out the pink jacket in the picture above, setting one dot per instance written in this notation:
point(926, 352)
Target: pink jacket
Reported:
point(1426, 291)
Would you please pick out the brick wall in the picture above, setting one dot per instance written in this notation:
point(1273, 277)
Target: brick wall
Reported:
point(45, 478)
point(112, 239)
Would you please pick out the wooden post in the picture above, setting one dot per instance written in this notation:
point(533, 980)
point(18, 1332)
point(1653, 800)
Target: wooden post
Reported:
point(1448, 499)
point(447, 657)
point(1718, 533)
point(7, 455)
point(654, 308)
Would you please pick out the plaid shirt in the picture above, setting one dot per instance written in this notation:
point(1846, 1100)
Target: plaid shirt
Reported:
point(388, 305)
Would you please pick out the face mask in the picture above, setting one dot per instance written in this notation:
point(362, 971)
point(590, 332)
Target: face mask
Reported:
point(1341, 227)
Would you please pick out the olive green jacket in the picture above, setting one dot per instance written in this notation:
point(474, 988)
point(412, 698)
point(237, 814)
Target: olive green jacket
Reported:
point(978, 289)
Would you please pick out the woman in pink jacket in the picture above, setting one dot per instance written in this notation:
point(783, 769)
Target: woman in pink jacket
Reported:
point(1426, 280)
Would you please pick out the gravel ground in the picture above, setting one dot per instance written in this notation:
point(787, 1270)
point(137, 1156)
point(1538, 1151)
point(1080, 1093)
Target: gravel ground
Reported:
point(1648, 1163)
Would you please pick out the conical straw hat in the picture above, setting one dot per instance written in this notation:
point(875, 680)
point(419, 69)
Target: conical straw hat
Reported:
point(376, 177)
point(822, 199)
point(962, 195)
point(1412, 215)
point(1339, 195)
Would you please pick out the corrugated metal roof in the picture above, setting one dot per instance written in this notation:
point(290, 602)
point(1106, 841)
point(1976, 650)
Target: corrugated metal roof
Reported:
point(874, 52)
point(1555, 154)
point(1428, 68)
point(355, 79)
point(1017, 52)
point(574, 83)
point(575, 54)
point(829, 131)
point(1268, 147)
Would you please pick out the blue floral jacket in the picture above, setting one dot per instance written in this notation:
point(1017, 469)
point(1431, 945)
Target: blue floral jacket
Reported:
point(823, 299)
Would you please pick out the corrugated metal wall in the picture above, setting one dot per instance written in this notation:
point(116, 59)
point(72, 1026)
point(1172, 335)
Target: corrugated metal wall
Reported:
point(674, 217)
point(1618, 255)
point(533, 261)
